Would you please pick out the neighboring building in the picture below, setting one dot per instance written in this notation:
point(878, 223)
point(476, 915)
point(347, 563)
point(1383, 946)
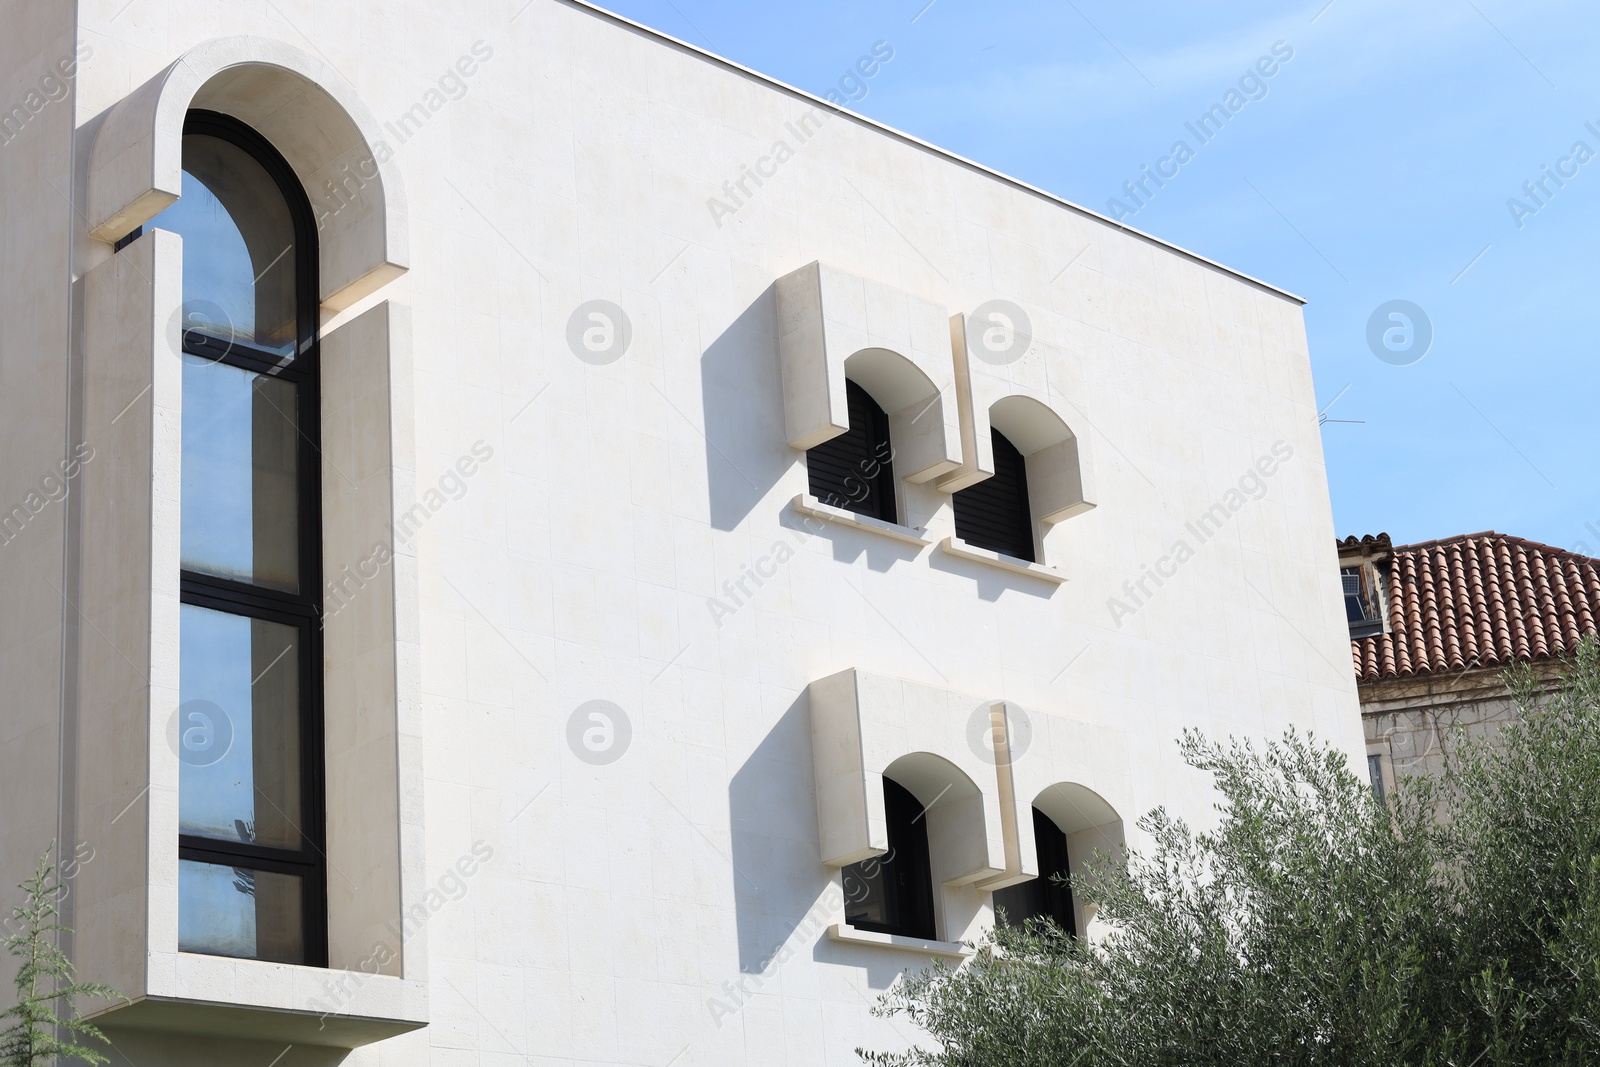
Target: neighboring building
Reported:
point(1434, 627)
point(527, 542)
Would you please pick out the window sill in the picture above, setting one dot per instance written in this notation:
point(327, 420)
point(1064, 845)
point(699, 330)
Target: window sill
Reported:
point(849, 935)
point(220, 996)
point(806, 504)
point(954, 546)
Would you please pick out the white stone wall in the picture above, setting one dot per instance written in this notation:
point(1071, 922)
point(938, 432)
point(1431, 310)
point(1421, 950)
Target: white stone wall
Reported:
point(1418, 740)
point(1416, 724)
point(668, 907)
point(39, 68)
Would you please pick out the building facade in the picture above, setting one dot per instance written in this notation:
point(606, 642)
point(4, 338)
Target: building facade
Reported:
point(1435, 626)
point(525, 541)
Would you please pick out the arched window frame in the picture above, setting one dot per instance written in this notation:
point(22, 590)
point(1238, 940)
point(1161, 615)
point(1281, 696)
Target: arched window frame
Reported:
point(835, 328)
point(1017, 398)
point(125, 904)
point(1085, 817)
point(302, 609)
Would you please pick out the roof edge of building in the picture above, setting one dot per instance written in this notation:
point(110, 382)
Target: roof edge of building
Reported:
point(1439, 542)
point(901, 135)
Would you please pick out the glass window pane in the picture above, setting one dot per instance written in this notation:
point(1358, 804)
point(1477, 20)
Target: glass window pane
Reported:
point(238, 248)
point(240, 504)
point(236, 911)
point(238, 728)
point(866, 894)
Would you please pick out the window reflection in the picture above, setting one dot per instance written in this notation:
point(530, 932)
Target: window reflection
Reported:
point(239, 728)
point(240, 517)
point(238, 248)
point(236, 911)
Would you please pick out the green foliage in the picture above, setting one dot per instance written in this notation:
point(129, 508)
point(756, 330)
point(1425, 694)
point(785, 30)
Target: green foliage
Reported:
point(35, 1025)
point(1458, 926)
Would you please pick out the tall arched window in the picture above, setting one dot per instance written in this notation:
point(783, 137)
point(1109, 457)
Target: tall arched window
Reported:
point(893, 893)
point(855, 470)
point(1044, 896)
point(251, 878)
point(995, 513)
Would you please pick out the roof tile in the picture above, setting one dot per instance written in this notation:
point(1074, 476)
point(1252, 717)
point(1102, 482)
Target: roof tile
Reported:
point(1479, 600)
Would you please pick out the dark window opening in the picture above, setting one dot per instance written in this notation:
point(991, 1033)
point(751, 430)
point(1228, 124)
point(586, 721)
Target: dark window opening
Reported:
point(893, 893)
point(1375, 772)
point(1043, 896)
point(994, 514)
point(1360, 602)
point(855, 470)
point(251, 865)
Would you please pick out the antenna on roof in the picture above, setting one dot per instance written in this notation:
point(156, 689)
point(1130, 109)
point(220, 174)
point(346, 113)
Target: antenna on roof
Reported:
point(1322, 416)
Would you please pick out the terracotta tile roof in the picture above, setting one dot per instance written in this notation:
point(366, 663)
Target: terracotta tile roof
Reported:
point(1479, 600)
point(1368, 542)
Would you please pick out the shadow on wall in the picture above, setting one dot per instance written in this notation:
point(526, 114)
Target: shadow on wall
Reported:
point(990, 583)
point(773, 814)
point(741, 391)
point(784, 898)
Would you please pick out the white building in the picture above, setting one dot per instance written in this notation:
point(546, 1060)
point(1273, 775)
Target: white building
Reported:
point(424, 625)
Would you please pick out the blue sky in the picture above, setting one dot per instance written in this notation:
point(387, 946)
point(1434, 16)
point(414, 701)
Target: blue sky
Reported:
point(1377, 167)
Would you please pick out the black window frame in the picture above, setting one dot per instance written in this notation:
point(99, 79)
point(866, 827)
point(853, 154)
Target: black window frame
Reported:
point(855, 470)
point(904, 874)
point(996, 513)
point(1044, 896)
point(301, 609)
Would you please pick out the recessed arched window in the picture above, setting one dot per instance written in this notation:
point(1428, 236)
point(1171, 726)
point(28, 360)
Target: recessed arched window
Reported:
point(893, 893)
point(995, 513)
point(1043, 896)
point(855, 470)
point(251, 871)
